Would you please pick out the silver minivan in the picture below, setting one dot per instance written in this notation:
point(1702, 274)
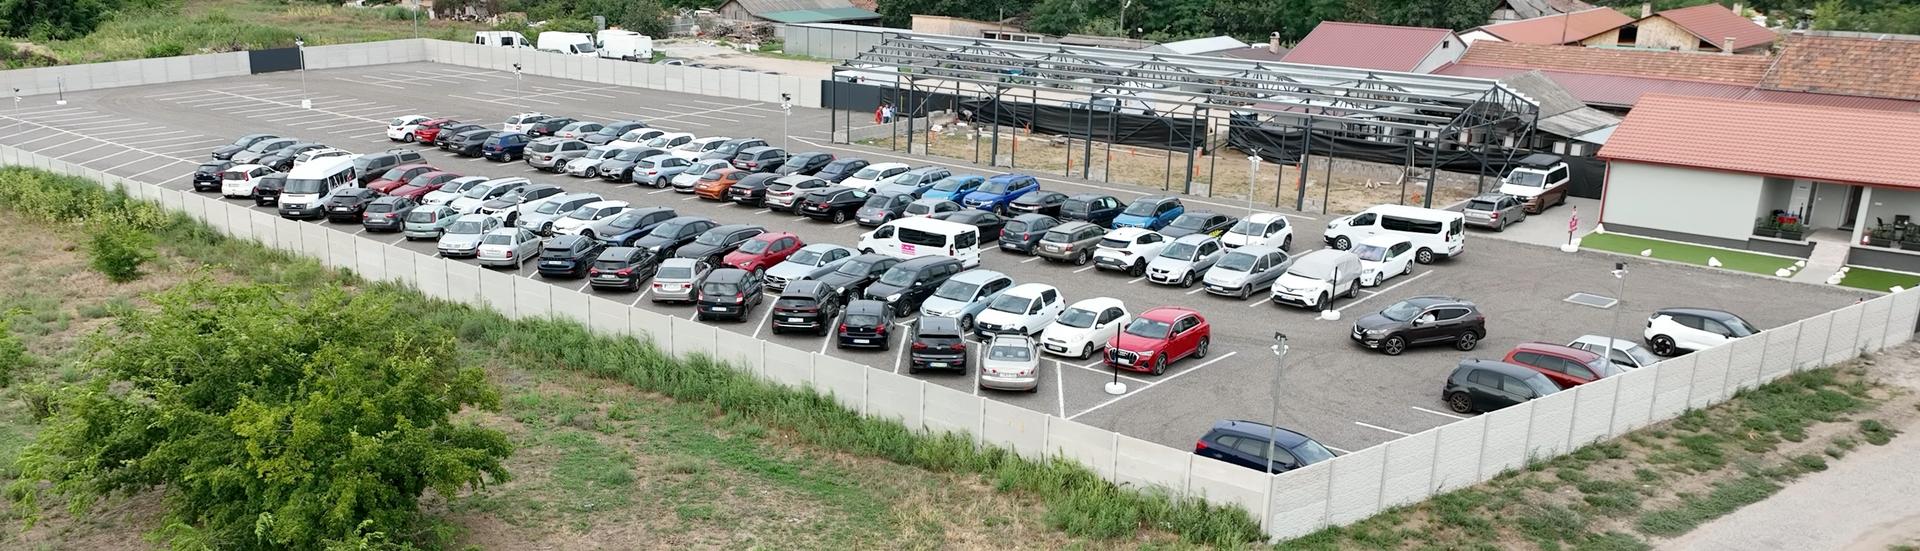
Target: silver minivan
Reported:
point(1247, 269)
point(1317, 277)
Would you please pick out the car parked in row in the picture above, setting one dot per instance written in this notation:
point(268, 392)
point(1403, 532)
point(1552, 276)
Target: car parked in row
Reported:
point(1260, 228)
point(865, 323)
point(1001, 191)
point(805, 163)
point(751, 190)
point(629, 227)
point(852, 277)
point(266, 189)
point(718, 241)
point(728, 293)
point(1247, 270)
point(839, 170)
point(540, 217)
point(238, 181)
point(461, 239)
point(207, 176)
point(805, 262)
point(678, 280)
point(568, 256)
point(622, 268)
point(1185, 260)
point(784, 193)
point(1129, 249)
point(1151, 212)
point(428, 221)
point(1420, 321)
point(1159, 337)
point(1316, 278)
point(585, 215)
point(964, 296)
point(1022, 233)
point(763, 251)
point(1042, 202)
point(1479, 386)
point(1199, 222)
point(1260, 446)
point(1025, 309)
point(1494, 211)
point(1011, 362)
point(387, 214)
point(1073, 242)
point(1672, 331)
point(805, 306)
point(869, 177)
point(670, 235)
point(937, 343)
point(1085, 327)
point(346, 204)
point(553, 154)
point(226, 152)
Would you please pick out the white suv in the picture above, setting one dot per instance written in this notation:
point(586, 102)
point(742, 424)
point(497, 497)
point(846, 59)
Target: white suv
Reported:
point(1085, 327)
point(1025, 309)
point(1671, 331)
point(1129, 250)
point(1260, 228)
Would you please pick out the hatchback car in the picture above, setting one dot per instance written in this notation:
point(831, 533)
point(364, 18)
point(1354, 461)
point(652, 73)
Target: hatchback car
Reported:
point(400, 129)
point(471, 200)
point(678, 280)
point(568, 256)
point(760, 159)
point(399, 176)
point(1159, 337)
point(1623, 352)
point(835, 204)
point(1129, 250)
point(461, 239)
point(346, 204)
point(587, 165)
point(718, 241)
point(1260, 228)
point(671, 234)
point(1671, 331)
point(659, 170)
point(1260, 446)
point(521, 122)
point(427, 131)
point(629, 226)
point(988, 224)
point(804, 262)
point(637, 137)
point(541, 216)
point(1478, 386)
point(1317, 278)
point(468, 144)
point(505, 146)
point(964, 296)
point(266, 189)
point(1382, 257)
point(929, 207)
point(1423, 320)
point(1495, 211)
point(852, 277)
point(688, 179)
point(1085, 327)
point(427, 222)
point(620, 166)
point(553, 154)
point(727, 149)
point(226, 152)
point(840, 169)
point(999, 193)
point(507, 207)
point(549, 126)
point(763, 251)
point(207, 176)
point(262, 148)
point(715, 183)
point(692, 150)
point(387, 214)
point(1022, 233)
point(1091, 207)
point(1567, 366)
point(805, 306)
point(371, 166)
point(1151, 212)
point(418, 187)
point(1185, 260)
point(238, 181)
point(882, 207)
point(508, 247)
point(579, 130)
point(785, 191)
point(914, 182)
point(865, 323)
point(1071, 242)
point(954, 188)
point(453, 189)
point(1041, 202)
point(804, 163)
point(576, 221)
point(1247, 270)
point(936, 343)
point(728, 293)
point(751, 190)
point(868, 178)
point(622, 268)
point(1025, 309)
point(1011, 362)
point(905, 286)
point(1199, 222)
point(610, 132)
point(283, 159)
point(451, 131)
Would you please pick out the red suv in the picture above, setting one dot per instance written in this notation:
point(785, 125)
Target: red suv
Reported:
point(1159, 337)
point(398, 176)
point(427, 130)
point(1565, 365)
point(763, 251)
point(419, 185)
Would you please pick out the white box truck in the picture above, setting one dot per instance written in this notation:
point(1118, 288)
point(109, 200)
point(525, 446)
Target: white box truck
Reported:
point(627, 45)
point(505, 39)
point(566, 43)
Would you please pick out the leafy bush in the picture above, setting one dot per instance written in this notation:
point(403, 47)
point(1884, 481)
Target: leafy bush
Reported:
point(13, 354)
point(118, 252)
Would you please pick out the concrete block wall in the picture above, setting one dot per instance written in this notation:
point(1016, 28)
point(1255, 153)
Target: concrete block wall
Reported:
point(141, 72)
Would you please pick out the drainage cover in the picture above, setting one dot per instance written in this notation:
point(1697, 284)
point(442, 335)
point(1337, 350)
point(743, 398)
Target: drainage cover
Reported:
point(1590, 299)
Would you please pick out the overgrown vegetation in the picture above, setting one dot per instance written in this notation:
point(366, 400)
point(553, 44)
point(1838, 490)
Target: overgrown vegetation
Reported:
point(135, 29)
point(118, 252)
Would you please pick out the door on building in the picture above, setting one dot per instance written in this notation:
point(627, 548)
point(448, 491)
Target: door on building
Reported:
point(1853, 207)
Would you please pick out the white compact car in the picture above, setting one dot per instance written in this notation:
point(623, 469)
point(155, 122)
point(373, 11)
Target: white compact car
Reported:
point(636, 137)
point(1671, 331)
point(1382, 257)
point(1129, 250)
point(574, 221)
point(870, 177)
point(321, 153)
point(1260, 228)
point(451, 190)
point(1185, 261)
point(400, 129)
point(668, 140)
point(523, 122)
point(1025, 309)
point(238, 182)
point(508, 247)
point(692, 150)
point(1085, 327)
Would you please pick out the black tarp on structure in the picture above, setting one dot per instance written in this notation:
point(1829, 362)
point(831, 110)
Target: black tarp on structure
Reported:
point(1158, 132)
point(1284, 145)
point(864, 98)
point(274, 60)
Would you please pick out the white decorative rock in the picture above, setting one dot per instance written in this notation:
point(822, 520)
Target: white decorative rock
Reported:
point(1648, 252)
point(1783, 272)
point(1330, 315)
point(1896, 288)
point(1800, 264)
point(1713, 261)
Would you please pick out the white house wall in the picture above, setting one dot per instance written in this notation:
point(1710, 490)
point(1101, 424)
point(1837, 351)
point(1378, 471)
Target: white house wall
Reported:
point(1682, 200)
point(1449, 51)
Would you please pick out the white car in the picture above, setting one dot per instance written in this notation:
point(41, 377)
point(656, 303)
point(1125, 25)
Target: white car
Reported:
point(693, 149)
point(321, 153)
point(400, 129)
point(238, 181)
point(574, 221)
point(1625, 352)
point(684, 181)
point(1671, 331)
point(451, 190)
point(1025, 309)
point(1129, 250)
point(1382, 257)
point(669, 140)
point(1085, 327)
point(523, 122)
point(1185, 261)
point(462, 238)
point(870, 177)
point(1260, 228)
point(636, 137)
point(470, 201)
point(588, 165)
point(508, 247)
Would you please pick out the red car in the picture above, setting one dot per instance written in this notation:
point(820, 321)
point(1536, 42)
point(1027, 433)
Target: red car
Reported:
point(398, 176)
point(763, 251)
point(1565, 365)
point(427, 130)
point(418, 186)
point(1158, 338)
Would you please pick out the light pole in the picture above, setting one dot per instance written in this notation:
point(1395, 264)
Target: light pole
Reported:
point(1279, 366)
point(786, 112)
point(1619, 303)
point(1253, 173)
point(516, 79)
point(60, 85)
point(306, 99)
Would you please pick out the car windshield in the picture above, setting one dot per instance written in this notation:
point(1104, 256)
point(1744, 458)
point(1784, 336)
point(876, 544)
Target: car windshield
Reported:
point(718, 288)
point(756, 246)
point(676, 272)
point(878, 202)
point(924, 208)
point(1370, 253)
point(1142, 208)
point(949, 184)
point(633, 135)
point(582, 214)
point(1113, 243)
point(856, 267)
point(703, 167)
point(1401, 311)
point(1541, 385)
point(657, 141)
point(1236, 262)
point(711, 238)
point(629, 154)
point(1010, 353)
point(993, 187)
point(497, 239)
point(1481, 204)
point(1017, 226)
point(1180, 251)
point(1601, 367)
point(402, 121)
point(728, 148)
point(956, 290)
point(1641, 356)
point(609, 131)
point(467, 226)
point(806, 257)
point(1143, 327)
point(548, 207)
point(862, 320)
point(1527, 178)
point(1244, 227)
point(478, 192)
point(1740, 327)
point(1012, 304)
point(1310, 270)
point(233, 175)
point(260, 145)
point(897, 277)
point(1077, 318)
point(422, 215)
point(1310, 452)
point(299, 186)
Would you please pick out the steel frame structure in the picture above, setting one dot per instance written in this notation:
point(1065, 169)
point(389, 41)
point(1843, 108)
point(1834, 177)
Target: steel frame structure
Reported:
point(1451, 118)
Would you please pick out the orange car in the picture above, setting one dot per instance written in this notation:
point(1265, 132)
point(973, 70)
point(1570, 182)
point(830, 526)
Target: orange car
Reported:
point(715, 183)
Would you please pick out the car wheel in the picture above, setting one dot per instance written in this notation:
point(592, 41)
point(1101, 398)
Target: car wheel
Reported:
point(1287, 244)
point(1663, 345)
point(1186, 281)
point(408, 138)
point(966, 322)
point(1425, 256)
point(1342, 243)
point(1083, 258)
point(1394, 345)
point(1502, 227)
point(1139, 268)
point(1160, 364)
point(592, 172)
point(1459, 402)
point(660, 183)
point(1201, 351)
point(1246, 291)
point(1467, 341)
point(1086, 351)
point(586, 233)
point(1406, 270)
point(866, 251)
point(1324, 299)
point(839, 216)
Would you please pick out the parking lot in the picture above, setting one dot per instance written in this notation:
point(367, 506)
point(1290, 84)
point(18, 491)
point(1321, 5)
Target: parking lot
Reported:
point(1342, 395)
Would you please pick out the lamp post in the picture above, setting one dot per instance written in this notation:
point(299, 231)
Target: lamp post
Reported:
point(516, 79)
point(1279, 366)
point(786, 113)
point(1253, 175)
point(1619, 303)
point(60, 85)
point(306, 99)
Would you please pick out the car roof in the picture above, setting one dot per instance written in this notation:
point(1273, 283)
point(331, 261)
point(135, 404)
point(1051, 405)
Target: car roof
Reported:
point(772, 235)
point(866, 306)
point(931, 201)
point(621, 252)
point(979, 276)
point(795, 178)
point(730, 228)
point(678, 263)
point(391, 199)
point(1074, 225)
point(758, 149)
point(1031, 289)
point(1500, 367)
point(565, 240)
point(572, 195)
point(1011, 339)
point(475, 217)
point(1264, 217)
point(1128, 233)
point(1010, 176)
point(1384, 240)
point(1031, 217)
point(1281, 437)
point(1256, 250)
point(1488, 197)
point(885, 166)
point(759, 178)
point(1556, 349)
point(728, 275)
point(1166, 313)
point(1424, 301)
point(1195, 239)
point(922, 261)
point(803, 288)
point(1605, 341)
point(1098, 303)
point(939, 324)
point(248, 166)
point(1697, 311)
point(823, 247)
point(504, 230)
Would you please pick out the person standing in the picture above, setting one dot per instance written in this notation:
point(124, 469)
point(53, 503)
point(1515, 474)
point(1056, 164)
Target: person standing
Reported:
point(879, 111)
point(886, 113)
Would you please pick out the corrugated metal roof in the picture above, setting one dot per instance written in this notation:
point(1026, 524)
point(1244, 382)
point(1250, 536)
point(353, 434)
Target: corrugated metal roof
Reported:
point(1536, 8)
point(759, 8)
point(1560, 29)
point(820, 15)
point(1364, 46)
point(1199, 46)
point(1560, 113)
point(1714, 23)
point(1856, 146)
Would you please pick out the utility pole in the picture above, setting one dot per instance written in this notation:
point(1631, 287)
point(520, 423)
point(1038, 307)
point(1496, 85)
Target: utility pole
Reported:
point(306, 98)
point(1279, 366)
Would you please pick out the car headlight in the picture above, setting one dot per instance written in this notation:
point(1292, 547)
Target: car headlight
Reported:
point(1376, 333)
point(893, 297)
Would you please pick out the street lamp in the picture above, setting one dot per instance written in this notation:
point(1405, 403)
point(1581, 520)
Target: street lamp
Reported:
point(786, 113)
point(1279, 366)
point(1253, 173)
point(1619, 303)
point(516, 79)
point(60, 85)
point(306, 100)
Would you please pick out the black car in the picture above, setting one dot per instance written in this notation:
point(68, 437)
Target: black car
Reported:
point(1199, 222)
point(751, 191)
point(835, 204)
point(805, 163)
point(883, 207)
point(909, 283)
point(760, 159)
point(841, 169)
point(667, 238)
point(622, 268)
point(629, 226)
point(1092, 207)
point(206, 177)
point(347, 204)
point(1023, 232)
point(387, 214)
point(226, 152)
point(852, 277)
point(1420, 321)
point(1246, 443)
point(612, 131)
point(1478, 386)
point(619, 166)
point(937, 343)
point(282, 159)
point(988, 223)
point(718, 241)
point(467, 144)
point(447, 134)
point(546, 127)
point(728, 293)
point(266, 190)
point(864, 324)
point(1039, 202)
point(569, 256)
point(806, 305)
point(371, 167)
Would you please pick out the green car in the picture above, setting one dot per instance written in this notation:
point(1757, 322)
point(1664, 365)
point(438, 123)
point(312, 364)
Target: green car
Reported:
point(428, 221)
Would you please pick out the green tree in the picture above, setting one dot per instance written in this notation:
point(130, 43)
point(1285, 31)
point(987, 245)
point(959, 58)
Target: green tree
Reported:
point(117, 251)
point(271, 423)
point(52, 19)
point(1057, 17)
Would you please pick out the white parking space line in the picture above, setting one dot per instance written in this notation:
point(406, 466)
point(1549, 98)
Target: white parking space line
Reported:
point(369, 82)
point(128, 163)
point(499, 101)
point(23, 145)
point(1382, 291)
point(377, 121)
point(381, 134)
point(763, 326)
point(76, 153)
point(670, 115)
point(1380, 428)
point(643, 296)
point(61, 144)
point(900, 355)
point(1335, 450)
point(583, 92)
point(175, 141)
point(1029, 260)
point(1089, 267)
point(343, 125)
point(1136, 280)
point(658, 192)
point(1060, 388)
point(255, 107)
point(155, 169)
point(1197, 289)
point(1439, 413)
point(1110, 373)
point(1156, 383)
point(150, 129)
point(824, 343)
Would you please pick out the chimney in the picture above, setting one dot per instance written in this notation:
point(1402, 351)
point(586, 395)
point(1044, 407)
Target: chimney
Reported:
point(1273, 42)
point(1729, 47)
point(1736, 9)
point(1646, 9)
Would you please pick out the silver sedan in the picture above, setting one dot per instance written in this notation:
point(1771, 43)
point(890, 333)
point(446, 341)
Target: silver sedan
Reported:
point(1010, 363)
point(508, 247)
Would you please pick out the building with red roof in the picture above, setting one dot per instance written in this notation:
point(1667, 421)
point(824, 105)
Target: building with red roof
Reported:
point(1707, 27)
point(1591, 27)
point(1380, 47)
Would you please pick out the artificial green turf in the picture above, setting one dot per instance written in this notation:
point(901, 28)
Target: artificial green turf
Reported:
point(1691, 254)
point(1878, 280)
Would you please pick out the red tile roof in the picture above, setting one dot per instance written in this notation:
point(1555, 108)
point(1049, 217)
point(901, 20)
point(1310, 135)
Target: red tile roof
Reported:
point(1364, 46)
point(1560, 29)
point(1744, 70)
point(1881, 66)
point(1714, 23)
point(1604, 90)
point(1854, 146)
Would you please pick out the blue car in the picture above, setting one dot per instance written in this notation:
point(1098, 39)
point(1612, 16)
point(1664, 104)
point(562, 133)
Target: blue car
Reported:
point(629, 226)
point(505, 146)
point(999, 191)
point(955, 187)
point(1152, 212)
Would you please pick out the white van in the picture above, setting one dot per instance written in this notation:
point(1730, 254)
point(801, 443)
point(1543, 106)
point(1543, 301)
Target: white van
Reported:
point(310, 184)
point(625, 44)
point(1434, 232)
point(566, 43)
point(915, 237)
point(504, 39)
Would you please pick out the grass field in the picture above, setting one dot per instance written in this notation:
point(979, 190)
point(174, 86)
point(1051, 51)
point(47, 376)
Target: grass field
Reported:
point(1687, 253)
point(1878, 280)
point(205, 26)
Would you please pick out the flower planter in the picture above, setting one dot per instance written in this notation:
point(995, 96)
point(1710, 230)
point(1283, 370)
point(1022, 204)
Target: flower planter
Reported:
point(1793, 235)
point(1880, 242)
point(1910, 245)
point(1766, 232)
